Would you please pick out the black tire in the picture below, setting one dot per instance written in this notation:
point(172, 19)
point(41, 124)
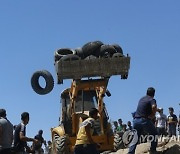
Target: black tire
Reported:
point(118, 142)
point(118, 48)
point(79, 52)
point(70, 57)
point(107, 51)
point(60, 145)
point(90, 57)
point(48, 79)
point(117, 55)
point(62, 52)
point(92, 48)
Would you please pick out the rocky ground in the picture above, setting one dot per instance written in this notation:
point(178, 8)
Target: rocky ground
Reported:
point(169, 148)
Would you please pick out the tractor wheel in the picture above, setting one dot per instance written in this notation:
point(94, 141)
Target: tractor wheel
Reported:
point(60, 145)
point(48, 79)
point(118, 142)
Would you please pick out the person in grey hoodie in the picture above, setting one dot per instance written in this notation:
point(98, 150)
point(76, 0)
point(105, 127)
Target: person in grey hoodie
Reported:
point(6, 133)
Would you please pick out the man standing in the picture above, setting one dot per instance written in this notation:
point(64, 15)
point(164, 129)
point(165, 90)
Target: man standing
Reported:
point(84, 142)
point(120, 127)
point(161, 122)
point(6, 133)
point(20, 139)
point(115, 127)
point(37, 146)
point(129, 125)
point(172, 122)
point(146, 111)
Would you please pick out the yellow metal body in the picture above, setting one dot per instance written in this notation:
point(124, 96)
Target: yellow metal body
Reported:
point(105, 138)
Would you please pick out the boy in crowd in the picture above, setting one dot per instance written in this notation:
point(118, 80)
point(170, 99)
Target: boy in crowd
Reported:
point(172, 122)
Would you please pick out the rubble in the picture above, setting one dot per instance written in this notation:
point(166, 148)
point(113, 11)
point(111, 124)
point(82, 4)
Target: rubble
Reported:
point(169, 148)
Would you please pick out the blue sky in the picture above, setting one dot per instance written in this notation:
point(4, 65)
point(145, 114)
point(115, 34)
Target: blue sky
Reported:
point(30, 32)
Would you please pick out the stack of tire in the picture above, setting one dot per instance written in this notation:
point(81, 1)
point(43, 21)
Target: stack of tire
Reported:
point(90, 50)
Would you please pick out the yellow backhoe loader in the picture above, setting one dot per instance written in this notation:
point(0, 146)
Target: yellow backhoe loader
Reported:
point(88, 88)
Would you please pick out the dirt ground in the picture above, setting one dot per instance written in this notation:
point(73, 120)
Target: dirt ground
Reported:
point(170, 148)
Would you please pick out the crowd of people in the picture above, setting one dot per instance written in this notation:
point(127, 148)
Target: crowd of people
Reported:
point(165, 124)
point(147, 118)
point(13, 139)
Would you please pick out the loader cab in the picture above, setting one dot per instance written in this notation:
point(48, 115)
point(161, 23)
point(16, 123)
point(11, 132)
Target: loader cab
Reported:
point(85, 100)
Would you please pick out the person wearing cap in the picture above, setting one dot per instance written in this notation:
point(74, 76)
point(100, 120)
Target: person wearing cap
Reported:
point(20, 138)
point(38, 146)
point(6, 133)
point(172, 122)
point(142, 122)
point(84, 142)
point(161, 122)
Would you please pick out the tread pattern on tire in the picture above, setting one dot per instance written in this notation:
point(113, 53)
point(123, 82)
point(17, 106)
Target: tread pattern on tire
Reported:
point(118, 142)
point(61, 144)
point(48, 79)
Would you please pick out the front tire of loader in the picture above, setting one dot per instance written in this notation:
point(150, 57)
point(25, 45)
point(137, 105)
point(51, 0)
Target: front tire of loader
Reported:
point(118, 142)
point(60, 145)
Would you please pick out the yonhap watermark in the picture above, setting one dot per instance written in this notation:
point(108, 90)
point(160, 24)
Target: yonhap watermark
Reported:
point(131, 138)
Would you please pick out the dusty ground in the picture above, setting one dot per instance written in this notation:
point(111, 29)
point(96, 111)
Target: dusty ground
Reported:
point(170, 148)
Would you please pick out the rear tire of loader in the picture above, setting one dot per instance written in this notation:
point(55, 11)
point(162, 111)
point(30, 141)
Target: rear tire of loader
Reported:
point(48, 79)
point(60, 145)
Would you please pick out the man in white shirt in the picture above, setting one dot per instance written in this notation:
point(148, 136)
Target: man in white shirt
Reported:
point(161, 123)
